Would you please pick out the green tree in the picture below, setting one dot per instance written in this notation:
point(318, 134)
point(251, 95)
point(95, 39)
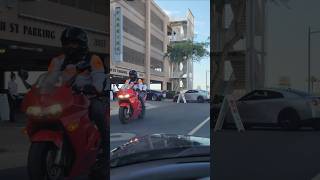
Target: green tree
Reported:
point(181, 51)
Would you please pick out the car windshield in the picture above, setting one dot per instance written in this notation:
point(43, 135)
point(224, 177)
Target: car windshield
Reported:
point(158, 146)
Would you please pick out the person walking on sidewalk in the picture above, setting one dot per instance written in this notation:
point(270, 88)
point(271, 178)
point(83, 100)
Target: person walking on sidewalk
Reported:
point(12, 96)
point(181, 96)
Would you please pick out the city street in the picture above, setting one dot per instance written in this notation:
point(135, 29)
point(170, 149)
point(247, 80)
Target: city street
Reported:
point(266, 154)
point(163, 117)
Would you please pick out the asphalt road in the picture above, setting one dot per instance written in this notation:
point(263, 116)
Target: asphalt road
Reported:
point(265, 154)
point(164, 117)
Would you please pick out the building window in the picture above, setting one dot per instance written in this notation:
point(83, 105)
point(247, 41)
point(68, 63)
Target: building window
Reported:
point(133, 29)
point(85, 5)
point(156, 65)
point(133, 57)
point(157, 43)
point(157, 21)
point(68, 2)
point(139, 6)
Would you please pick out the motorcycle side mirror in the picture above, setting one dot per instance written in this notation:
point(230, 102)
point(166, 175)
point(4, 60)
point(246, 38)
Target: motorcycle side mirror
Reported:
point(23, 74)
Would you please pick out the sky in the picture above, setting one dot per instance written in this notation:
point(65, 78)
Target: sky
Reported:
point(201, 12)
point(287, 42)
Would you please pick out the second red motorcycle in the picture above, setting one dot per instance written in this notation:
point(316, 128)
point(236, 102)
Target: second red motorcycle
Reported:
point(130, 107)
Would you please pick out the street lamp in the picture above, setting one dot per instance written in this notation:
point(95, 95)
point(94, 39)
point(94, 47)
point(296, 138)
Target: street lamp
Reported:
point(309, 44)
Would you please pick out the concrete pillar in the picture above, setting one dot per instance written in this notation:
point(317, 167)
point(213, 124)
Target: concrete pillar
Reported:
point(250, 56)
point(166, 63)
point(147, 43)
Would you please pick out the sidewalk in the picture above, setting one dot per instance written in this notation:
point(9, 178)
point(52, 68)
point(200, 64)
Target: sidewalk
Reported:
point(19, 121)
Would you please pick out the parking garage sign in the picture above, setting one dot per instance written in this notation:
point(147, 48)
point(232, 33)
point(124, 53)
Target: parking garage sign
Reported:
point(117, 52)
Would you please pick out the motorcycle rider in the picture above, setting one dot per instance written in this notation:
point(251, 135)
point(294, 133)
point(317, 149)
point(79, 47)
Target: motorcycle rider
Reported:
point(137, 84)
point(92, 79)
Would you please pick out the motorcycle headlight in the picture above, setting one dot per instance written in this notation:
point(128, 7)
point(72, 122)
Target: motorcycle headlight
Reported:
point(51, 111)
point(54, 110)
point(34, 111)
point(126, 96)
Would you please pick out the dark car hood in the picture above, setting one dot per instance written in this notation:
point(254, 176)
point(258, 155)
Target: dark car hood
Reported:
point(158, 141)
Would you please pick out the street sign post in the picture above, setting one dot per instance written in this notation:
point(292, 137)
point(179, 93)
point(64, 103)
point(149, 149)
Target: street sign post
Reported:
point(117, 43)
point(230, 103)
point(235, 112)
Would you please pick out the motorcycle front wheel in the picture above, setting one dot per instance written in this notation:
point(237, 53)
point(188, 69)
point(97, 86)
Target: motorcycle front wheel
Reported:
point(124, 115)
point(41, 162)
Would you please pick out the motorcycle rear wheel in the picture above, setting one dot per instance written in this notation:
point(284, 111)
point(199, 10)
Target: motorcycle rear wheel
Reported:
point(40, 162)
point(123, 115)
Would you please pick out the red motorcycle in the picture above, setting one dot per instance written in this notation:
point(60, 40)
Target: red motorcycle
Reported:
point(64, 141)
point(130, 107)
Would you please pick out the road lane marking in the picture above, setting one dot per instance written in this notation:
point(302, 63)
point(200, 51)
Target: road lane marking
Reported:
point(199, 126)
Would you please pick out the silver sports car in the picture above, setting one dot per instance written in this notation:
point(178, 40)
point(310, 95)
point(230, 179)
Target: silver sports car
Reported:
point(200, 96)
point(286, 107)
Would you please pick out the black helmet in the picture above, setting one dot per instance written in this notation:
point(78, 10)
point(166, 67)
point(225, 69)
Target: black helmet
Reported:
point(74, 35)
point(133, 75)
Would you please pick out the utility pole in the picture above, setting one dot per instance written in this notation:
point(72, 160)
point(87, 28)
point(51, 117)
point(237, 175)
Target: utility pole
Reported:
point(310, 32)
point(250, 54)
